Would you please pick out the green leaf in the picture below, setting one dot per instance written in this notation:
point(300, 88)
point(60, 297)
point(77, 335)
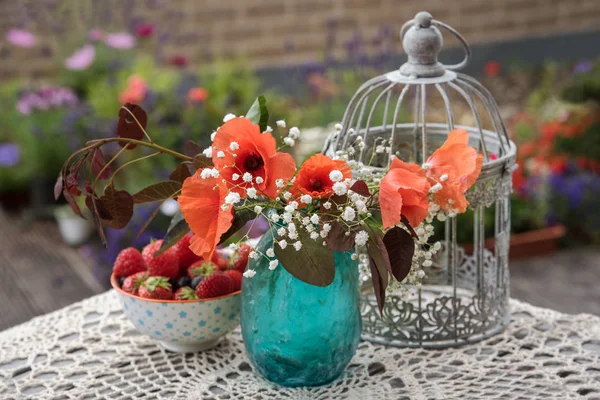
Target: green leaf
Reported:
point(119, 205)
point(177, 229)
point(400, 249)
point(379, 264)
point(313, 263)
point(240, 219)
point(258, 113)
point(157, 192)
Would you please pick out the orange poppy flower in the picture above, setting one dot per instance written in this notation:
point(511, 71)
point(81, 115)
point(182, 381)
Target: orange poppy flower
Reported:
point(403, 191)
point(313, 177)
point(239, 147)
point(456, 166)
point(200, 201)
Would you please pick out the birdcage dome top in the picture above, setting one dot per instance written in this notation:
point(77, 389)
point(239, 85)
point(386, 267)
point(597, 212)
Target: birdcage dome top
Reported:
point(408, 113)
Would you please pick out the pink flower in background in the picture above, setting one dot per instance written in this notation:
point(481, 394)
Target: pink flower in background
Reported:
point(96, 35)
point(144, 30)
point(21, 38)
point(81, 59)
point(120, 40)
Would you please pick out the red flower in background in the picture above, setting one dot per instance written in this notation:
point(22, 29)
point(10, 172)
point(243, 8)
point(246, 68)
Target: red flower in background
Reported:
point(178, 61)
point(197, 95)
point(491, 69)
point(144, 30)
point(135, 92)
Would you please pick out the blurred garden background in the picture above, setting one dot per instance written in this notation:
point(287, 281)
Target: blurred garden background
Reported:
point(66, 67)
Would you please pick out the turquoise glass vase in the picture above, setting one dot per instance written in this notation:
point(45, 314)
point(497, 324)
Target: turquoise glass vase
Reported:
point(298, 334)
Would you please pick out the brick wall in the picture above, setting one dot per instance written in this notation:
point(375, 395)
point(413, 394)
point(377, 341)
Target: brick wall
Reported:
point(280, 32)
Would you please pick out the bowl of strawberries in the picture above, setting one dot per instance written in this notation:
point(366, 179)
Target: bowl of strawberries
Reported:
point(184, 302)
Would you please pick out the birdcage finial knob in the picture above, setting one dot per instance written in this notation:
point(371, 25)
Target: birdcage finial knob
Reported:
point(422, 42)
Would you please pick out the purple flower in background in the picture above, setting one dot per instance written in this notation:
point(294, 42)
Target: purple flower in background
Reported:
point(10, 154)
point(120, 40)
point(81, 59)
point(46, 98)
point(21, 38)
point(583, 67)
point(96, 35)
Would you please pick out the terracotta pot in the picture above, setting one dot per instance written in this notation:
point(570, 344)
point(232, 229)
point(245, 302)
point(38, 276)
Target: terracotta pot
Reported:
point(528, 244)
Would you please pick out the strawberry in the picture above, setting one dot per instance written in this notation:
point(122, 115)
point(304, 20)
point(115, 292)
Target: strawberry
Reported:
point(156, 287)
point(128, 262)
point(201, 268)
point(166, 264)
point(240, 259)
point(215, 285)
point(236, 276)
point(186, 256)
point(132, 283)
point(185, 293)
point(220, 261)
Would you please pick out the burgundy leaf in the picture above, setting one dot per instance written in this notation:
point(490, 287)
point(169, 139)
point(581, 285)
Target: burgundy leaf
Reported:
point(72, 203)
point(157, 192)
point(89, 202)
point(191, 149)
point(380, 263)
point(201, 161)
point(378, 284)
point(182, 172)
point(131, 126)
point(336, 239)
point(400, 249)
point(72, 183)
point(404, 220)
point(58, 186)
point(119, 205)
point(361, 188)
point(97, 163)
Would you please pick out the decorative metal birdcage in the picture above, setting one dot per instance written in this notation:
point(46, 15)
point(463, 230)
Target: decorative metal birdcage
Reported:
point(464, 297)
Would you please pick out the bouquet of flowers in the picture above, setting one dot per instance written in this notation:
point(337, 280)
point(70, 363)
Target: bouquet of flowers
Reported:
point(314, 210)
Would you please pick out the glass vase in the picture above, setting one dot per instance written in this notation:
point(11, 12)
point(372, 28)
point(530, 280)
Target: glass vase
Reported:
point(298, 334)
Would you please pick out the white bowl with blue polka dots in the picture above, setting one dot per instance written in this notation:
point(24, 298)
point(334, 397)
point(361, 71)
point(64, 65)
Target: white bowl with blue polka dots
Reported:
point(182, 326)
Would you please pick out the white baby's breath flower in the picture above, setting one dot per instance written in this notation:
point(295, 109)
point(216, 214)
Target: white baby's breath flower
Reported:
point(324, 234)
point(220, 154)
point(287, 195)
point(281, 123)
point(338, 127)
point(234, 146)
point(283, 244)
point(258, 209)
point(293, 235)
point(273, 264)
point(279, 183)
point(232, 198)
point(275, 217)
point(306, 198)
point(270, 252)
point(361, 238)
point(294, 132)
point(287, 217)
point(327, 205)
point(314, 235)
point(305, 221)
point(298, 245)
point(427, 263)
point(281, 231)
point(212, 136)
point(435, 188)
point(441, 217)
point(253, 255)
point(336, 175)
point(361, 145)
point(249, 273)
point(207, 152)
point(426, 166)
point(235, 177)
point(349, 214)
point(326, 227)
point(379, 149)
point(354, 256)
point(228, 117)
point(437, 246)
point(234, 246)
point(314, 218)
point(292, 206)
point(340, 188)
point(444, 177)
point(251, 192)
point(269, 129)
point(259, 179)
point(291, 227)
point(247, 177)
point(289, 141)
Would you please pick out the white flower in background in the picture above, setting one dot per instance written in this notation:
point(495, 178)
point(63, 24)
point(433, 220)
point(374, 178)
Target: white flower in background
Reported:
point(169, 207)
point(289, 141)
point(361, 145)
point(234, 145)
point(306, 199)
point(251, 192)
point(314, 235)
point(247, 177)
point(273, 264)
point(275, 217)
point(379, 149)
point(279, 183)
point(350, 131)
point(294, 132)
point(287, 217)
point(253, 255)
point(427, 263)
point(234, 246)
point(349, 214)
point(437, 246)
point(338, 127)
point(232, 198)
point(361, 238)
point(269, 129)
point(314, 218)
point(327, 205)
point(361, 206)
point(326, 227)
point(354, 256)
point(259, 179)
point(258, 209)
point(281, 123)
point(336, 175)
point(235, 177)
point(281, 231)
point(426, 166)
point(249, 273)
point(228, 117)
point(287, 195)
point(441, 217)
point(283, 244)
point(298, 245)
point(270, 252)
point(324, 234)
point(207, 152)
point(340, 188)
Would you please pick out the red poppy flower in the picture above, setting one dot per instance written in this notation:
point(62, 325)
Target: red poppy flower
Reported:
point(403, 191)
point(200, 203)
point(239, 148)
point(197, 95)
point(313, 177)
point(456, 166)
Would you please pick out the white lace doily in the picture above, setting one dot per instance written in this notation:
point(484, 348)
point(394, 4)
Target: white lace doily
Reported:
point(90, 351)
